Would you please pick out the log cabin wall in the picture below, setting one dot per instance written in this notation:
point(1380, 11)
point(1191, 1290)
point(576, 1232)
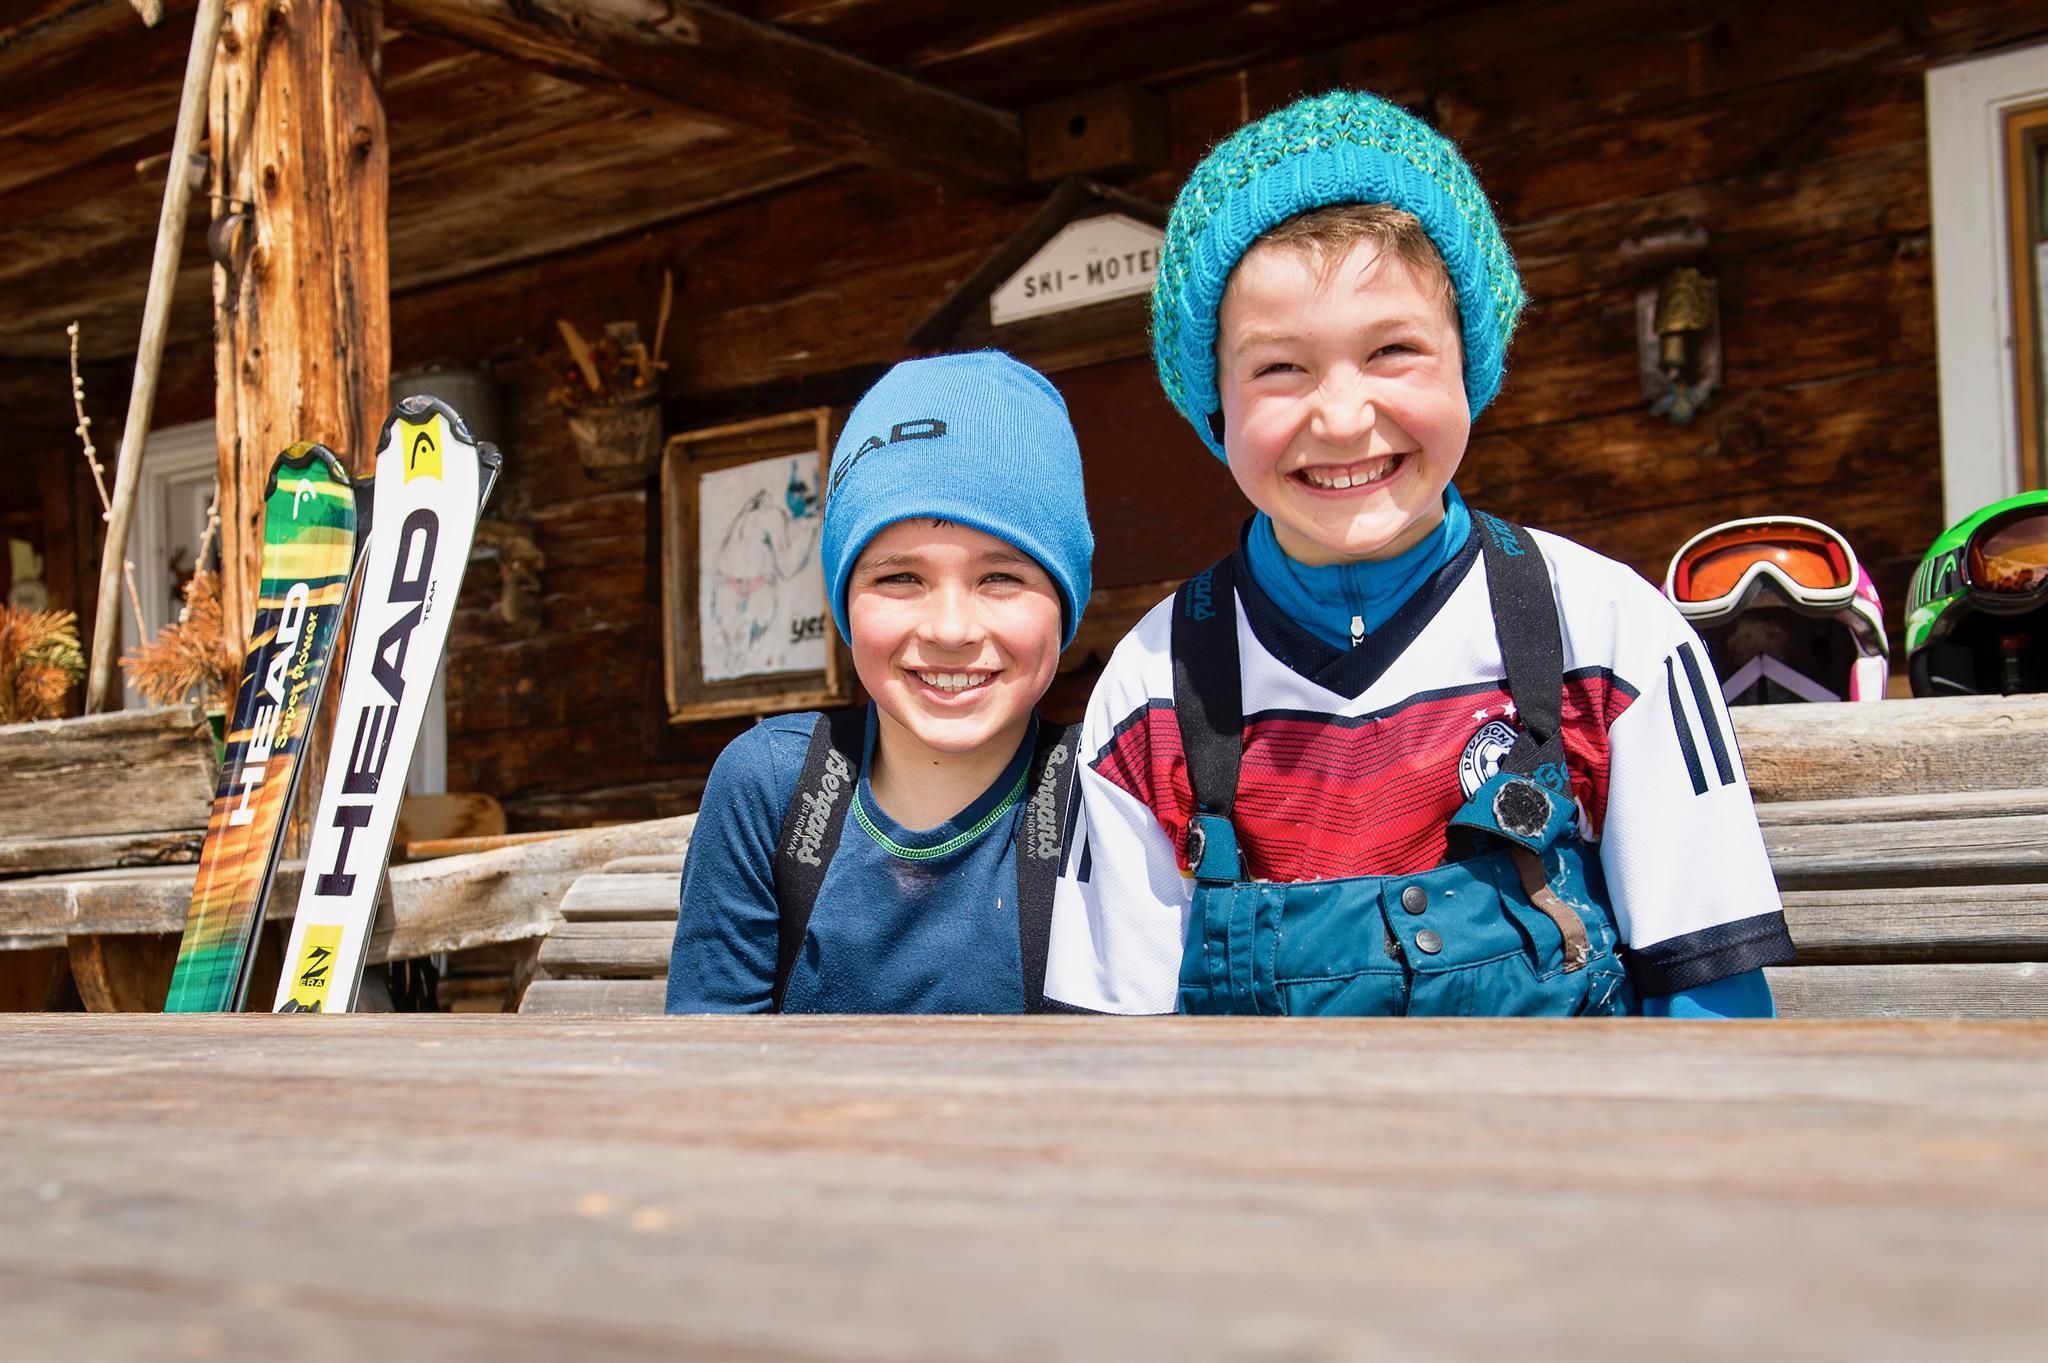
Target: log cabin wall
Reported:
point(1793, 134)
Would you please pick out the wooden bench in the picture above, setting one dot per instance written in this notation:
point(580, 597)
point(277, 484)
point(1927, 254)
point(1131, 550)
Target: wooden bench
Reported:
point(1913, 885)
point(610, 954)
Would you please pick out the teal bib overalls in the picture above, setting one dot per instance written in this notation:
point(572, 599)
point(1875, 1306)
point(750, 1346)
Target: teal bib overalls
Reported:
point(1516, 925)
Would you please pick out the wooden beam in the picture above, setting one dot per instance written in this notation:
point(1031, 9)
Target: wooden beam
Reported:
point(61, 46)
point(1939, 746)
point(135, 772)
point(698, 57)
point(450, 904)
point(622, 949)
point(2003, 990)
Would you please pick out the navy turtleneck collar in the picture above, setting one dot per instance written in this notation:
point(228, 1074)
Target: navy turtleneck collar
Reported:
point(1341, 603)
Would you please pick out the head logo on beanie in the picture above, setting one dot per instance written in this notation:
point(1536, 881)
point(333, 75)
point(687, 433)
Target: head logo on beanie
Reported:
point(980, 440)
point(927, 428)
point(1342, 147)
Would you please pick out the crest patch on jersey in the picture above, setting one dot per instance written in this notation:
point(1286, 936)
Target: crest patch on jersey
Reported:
point(1483, 754)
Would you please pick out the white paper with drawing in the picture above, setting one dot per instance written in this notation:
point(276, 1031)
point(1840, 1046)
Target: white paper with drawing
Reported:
point(760, 591)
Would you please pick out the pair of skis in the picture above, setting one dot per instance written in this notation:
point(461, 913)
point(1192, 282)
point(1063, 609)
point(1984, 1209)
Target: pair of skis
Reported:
point(430, 483)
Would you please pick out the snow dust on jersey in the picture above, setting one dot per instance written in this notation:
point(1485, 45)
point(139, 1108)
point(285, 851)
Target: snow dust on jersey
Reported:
point(1355, 760)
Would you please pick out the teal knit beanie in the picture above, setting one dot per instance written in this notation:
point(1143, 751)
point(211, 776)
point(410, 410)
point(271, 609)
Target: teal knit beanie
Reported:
point(1342, 147)
point(980, 440)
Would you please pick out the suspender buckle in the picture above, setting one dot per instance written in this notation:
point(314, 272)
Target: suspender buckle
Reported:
point(1212, 848)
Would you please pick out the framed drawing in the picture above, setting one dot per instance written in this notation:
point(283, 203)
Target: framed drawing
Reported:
point(746, 626)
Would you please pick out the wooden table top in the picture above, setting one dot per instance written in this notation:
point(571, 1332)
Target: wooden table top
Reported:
point(1026, 1189)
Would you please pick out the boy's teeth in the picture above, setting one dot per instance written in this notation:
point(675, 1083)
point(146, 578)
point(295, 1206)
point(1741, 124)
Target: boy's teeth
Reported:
point(1339, 481)
point(955, 681)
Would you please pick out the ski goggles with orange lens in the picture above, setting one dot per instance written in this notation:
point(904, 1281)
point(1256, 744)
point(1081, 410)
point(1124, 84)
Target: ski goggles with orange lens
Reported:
point(2006, 564)
point(1721, 569)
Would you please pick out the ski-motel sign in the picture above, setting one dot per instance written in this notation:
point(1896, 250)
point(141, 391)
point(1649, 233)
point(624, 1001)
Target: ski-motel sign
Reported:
point(1090, 261)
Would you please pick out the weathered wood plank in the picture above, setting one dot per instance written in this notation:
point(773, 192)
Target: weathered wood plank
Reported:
point(1942, 923)
point(1920, 923)
point(1851, 441)
point(615, 950)
point(1899, 747)
point(1973, 851)
point(2006, 991)
point(42, 855)
point(513, 892)
point(835, 232)
point(1621, 60)
point(709, 61)
point(1871, 194)
point(95, 47)
point(664, 863)
point(88, 903)
point(1865, 305)
point(449, 904)
point(670, 1178)
point(633, 802)
point(135, 771)
point(428, 848)
point(595, 998)
point(622, 895)
point(1887, 809)
point(576, 163)
point(570, 767)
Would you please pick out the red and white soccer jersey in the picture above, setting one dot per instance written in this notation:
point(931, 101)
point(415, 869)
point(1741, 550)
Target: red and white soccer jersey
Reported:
point(1355, 760)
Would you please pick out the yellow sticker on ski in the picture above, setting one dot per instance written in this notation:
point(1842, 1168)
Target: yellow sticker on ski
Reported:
point(423, 449)
point(314, 973)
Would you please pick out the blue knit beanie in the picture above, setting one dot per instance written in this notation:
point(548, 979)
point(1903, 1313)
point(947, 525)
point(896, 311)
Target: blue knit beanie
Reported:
point(1338, 148)
point(980, 440)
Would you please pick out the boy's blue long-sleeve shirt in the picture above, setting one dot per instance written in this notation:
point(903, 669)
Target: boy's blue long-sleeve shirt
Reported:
point(907, 921)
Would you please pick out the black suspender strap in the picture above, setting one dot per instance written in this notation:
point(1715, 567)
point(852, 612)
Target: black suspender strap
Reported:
point(1525, 623)
point(1208, 700)
point(1208, 703)
point(812, 825)
point(1041, 834)
point(810, 831)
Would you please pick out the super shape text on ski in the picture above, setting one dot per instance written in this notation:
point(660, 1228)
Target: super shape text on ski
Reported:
point(309, 543)
point(430, 473)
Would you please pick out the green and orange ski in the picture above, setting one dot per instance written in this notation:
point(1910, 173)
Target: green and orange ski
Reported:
point(309, 552)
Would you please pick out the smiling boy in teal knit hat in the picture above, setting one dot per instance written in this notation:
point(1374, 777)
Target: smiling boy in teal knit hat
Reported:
point(1391, 756)
point(900, 856)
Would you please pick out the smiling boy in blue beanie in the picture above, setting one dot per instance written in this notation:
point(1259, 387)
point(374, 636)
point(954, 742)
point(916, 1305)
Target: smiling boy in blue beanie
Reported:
point(900, 856)
point(1392, 756)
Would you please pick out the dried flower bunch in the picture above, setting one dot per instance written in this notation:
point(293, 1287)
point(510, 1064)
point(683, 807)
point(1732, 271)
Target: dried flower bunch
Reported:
point(40, 660)
point(190, 655)
point(617, 367)
point(83, 430)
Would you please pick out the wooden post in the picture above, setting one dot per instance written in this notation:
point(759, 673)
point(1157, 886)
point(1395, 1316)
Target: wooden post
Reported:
point(302, 309)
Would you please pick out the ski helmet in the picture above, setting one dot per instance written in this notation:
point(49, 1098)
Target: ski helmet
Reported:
point(1977, 617)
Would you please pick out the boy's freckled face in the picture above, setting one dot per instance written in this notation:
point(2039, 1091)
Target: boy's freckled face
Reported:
point(956, 635)
point(1344, 409)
